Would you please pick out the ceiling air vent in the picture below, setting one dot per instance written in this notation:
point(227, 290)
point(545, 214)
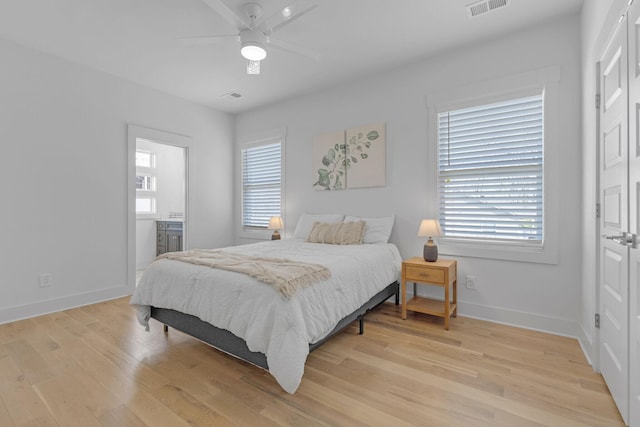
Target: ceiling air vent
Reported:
point(484, 6)
point(231, 95)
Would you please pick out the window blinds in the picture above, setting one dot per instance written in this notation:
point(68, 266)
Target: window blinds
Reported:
point(491, 171)
point(261, 184)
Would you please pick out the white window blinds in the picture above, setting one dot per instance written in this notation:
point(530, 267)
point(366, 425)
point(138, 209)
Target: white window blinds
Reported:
point(261, 184)
point(491, 171)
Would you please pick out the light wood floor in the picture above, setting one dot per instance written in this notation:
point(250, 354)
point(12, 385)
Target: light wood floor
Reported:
point(95, 366)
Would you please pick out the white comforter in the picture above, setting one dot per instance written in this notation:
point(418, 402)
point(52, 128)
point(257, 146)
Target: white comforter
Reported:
point(281, 329)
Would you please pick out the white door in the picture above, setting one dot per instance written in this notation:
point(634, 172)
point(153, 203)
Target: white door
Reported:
point(614, 256)
point(634, 213)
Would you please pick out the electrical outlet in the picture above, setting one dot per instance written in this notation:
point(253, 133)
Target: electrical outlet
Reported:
point(45, 280)
point(471, 282)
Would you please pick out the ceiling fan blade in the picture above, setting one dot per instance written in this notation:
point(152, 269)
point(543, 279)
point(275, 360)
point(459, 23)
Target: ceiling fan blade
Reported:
point(291, 47)
point(229, 15)
point(286, 15)
point(207, 40)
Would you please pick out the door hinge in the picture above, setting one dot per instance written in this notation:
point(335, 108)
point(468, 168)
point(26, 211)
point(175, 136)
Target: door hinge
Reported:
point(597, 320)
point(597, 210)
point(597, 101)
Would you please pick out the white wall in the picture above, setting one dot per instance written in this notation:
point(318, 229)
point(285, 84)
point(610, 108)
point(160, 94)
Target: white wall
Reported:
point(63, 172)
point(596, 16)
point(146, 236)
point(531, 295)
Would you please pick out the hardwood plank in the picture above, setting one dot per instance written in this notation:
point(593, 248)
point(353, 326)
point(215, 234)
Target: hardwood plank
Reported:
point(66, 400)
point(120, 416)
point(45, 421)
point(190, 408)
point(20, 401)
point(28, 360)
point(76, 398)
point(154, 413)
point(128, 366)
point(5, 418)
point(96, 365)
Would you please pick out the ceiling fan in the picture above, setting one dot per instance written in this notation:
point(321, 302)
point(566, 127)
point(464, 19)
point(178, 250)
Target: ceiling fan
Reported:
point(255, 33)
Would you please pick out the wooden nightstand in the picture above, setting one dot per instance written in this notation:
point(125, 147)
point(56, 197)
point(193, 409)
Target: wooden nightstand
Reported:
point(443, 273)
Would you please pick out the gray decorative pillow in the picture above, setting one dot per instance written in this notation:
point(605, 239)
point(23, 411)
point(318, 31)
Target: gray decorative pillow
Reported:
point(340, 233)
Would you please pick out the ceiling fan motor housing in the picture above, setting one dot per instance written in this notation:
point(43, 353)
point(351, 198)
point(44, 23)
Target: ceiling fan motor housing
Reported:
point(253, 44)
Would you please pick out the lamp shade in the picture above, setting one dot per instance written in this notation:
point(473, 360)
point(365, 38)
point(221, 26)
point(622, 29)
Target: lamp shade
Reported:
point(429, 228)
point(275, 223)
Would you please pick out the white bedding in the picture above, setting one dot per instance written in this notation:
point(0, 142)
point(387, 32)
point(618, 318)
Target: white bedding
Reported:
point(269, 323)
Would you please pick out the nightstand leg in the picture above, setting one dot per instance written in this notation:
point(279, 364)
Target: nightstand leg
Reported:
point(455, 298)
point(447, 306)
point(404, 298)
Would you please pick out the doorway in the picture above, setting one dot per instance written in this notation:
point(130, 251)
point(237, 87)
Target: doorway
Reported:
point(157, 188)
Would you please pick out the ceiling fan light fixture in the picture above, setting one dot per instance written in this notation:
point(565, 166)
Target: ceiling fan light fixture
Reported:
point(253, 67)
point(252, 45)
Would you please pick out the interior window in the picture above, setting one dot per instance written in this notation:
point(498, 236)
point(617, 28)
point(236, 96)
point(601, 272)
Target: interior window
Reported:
point(261, 183)
point(145, 183)
point(490, 171)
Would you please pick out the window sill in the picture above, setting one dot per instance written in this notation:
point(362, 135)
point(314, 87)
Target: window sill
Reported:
point(545, 254)
point(147, 216)
point(256, 234)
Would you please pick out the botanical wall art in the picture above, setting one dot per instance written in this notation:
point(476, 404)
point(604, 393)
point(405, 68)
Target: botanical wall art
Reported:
point(328, 161)
point(353, 158)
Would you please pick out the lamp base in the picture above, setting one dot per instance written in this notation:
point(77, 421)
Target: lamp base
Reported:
point(430, 252)
point(275, 235)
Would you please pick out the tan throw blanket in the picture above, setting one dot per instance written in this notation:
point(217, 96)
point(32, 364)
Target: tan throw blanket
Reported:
point(285, 275)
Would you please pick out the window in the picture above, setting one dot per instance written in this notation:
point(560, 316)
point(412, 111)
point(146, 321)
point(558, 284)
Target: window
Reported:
point(145, 205)
point(261, 183)
point(490, 163)
point(145, 159)
point(145, 183)
point(495, 167)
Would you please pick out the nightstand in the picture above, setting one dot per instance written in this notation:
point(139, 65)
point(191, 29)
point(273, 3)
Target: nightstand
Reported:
point(443, 273)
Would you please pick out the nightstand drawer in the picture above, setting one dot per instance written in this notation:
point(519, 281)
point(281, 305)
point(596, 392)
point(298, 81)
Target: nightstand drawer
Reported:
point(422, 274)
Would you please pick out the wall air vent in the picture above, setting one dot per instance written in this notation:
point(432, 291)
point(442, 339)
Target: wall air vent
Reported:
point(231, 95)
point(484, 6)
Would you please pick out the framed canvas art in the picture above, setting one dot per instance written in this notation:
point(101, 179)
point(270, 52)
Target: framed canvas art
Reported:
point(366, 156)
point(329, 164)
point(354, 158)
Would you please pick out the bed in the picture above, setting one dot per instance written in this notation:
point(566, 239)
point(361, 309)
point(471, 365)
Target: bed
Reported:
point(249, 319)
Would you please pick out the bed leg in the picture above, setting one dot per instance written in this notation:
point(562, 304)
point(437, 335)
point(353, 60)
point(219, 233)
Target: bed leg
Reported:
point(361, 321)
point(166, 329)
point(397, 298)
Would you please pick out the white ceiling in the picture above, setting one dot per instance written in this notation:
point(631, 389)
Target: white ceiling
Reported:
point(138, 41)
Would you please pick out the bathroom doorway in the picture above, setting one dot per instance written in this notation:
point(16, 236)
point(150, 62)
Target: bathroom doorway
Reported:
point(158, 196)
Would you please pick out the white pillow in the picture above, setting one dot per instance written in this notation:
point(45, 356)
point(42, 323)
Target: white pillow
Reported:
point(377, 230)
point(306, 221)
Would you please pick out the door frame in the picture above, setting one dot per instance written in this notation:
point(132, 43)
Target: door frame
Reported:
point(595, 356)
point(161, 137)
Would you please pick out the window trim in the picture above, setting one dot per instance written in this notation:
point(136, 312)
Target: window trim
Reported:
point(541, 81)
point(257, 139)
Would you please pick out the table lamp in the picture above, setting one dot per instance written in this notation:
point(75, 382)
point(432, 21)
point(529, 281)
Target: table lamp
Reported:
point(430, 228)
point(275, 223)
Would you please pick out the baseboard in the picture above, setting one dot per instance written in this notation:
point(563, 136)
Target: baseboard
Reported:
point(586, 343)
point(26, 311)
point(521, 319)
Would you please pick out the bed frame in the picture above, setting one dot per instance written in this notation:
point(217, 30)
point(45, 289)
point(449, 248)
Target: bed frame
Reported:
point(229, 343)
